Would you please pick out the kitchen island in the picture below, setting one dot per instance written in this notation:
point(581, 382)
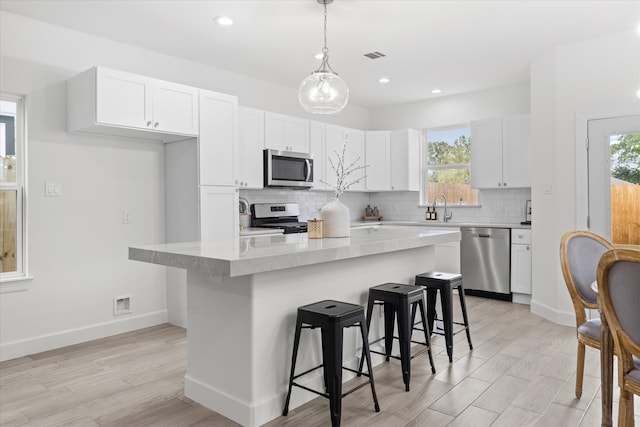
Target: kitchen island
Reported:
point(242, 298)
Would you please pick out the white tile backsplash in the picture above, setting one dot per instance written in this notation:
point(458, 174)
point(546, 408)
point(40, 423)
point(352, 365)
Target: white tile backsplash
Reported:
point(496, 206)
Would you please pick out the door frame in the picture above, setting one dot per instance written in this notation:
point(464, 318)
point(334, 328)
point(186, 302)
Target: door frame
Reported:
point(582, 179)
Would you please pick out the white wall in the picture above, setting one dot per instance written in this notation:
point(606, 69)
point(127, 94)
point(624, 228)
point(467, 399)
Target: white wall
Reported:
point(77, 242)
point(593, 77)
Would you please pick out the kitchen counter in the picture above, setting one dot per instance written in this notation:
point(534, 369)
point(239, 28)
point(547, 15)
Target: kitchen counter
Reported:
point(242, 299)
point(436, 224)
point(259, 231)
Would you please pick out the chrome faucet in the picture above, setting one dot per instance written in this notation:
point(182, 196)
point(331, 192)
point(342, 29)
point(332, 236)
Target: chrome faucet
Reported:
point(448, 216)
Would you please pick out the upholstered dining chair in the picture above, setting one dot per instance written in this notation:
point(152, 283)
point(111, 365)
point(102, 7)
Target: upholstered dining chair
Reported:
point(619, 289)
point(580, 252)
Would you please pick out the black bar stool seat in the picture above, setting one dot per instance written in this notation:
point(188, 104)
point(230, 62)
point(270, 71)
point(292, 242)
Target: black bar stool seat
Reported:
point(400, 302)
point(435, 281)
point(331, 317)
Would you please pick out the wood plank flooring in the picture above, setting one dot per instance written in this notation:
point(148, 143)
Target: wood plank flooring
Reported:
point(520, 373)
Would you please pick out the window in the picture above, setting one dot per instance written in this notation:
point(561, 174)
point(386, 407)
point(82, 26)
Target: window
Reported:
point(448, 166)
point(12, 161)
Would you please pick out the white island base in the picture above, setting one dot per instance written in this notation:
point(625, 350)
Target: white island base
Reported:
point(241, 328)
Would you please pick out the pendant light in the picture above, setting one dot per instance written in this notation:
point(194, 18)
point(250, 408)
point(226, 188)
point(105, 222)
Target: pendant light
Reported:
point(323, 92)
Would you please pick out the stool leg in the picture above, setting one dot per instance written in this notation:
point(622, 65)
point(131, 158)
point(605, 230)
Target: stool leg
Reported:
point(426, 335)
point(388, 329)
point(365, 339)
point(431, 307)
point(332, 356)
point(464, 314)
point(296, 341)
point(365, 347)
point(404, 335)
point(447, 320)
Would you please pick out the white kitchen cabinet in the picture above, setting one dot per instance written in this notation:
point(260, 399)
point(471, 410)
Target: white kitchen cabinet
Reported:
point(286, 133)
point(317, 150)
point(334, 139)
point(501, 153)
point(219, 220)
point(378, 160)
point(521, 261)
point(250, 162)
point(405, 160)
point(101, 100)
point(217, 147)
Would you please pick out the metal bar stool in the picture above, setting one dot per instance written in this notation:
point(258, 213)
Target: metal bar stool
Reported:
point(399, 300)
point(435, 281)
point(331, 317)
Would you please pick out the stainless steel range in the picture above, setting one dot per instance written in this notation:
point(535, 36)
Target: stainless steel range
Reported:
point(278, 215)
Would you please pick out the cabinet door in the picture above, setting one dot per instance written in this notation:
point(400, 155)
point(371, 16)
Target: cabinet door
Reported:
point(286, 133)
point(217, 150)
point(356, 154)
point(521, 269)
point(250, 171)
point(123, 99)
point(377, 159)
point(516, 152)
point(317, 151)
point(334, 138)
point(405, 160)
point(219, 218)
point(175, 108)
point(486, 154)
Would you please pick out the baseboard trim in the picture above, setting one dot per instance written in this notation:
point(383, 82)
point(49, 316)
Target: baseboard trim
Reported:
point(219, 401)
point(15, 349)
point(565, 318)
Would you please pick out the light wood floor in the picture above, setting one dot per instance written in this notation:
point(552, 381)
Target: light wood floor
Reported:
point(520, 373)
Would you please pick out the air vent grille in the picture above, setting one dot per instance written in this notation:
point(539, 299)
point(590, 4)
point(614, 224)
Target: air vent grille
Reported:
point(374, 55)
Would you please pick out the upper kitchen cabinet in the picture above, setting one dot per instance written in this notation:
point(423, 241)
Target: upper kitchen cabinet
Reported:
point(217, 147)
point(335, 136)
point(250, 162)
point(286, 133)
point(500, 153)
point(377, 158)
point(317, 149)
point(405, 160)
point(101, 100)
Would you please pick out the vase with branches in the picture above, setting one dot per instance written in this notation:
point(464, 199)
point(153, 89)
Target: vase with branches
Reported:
point(335, 214)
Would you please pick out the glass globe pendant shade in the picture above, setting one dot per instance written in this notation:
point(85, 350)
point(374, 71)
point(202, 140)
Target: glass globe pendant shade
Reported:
point(323, 92)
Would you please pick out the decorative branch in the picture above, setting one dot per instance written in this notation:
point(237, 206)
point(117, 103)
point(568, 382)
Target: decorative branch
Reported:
point(343, 172)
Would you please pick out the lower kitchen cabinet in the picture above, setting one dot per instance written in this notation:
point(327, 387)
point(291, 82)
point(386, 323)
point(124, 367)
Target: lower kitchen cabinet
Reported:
point(521, 261)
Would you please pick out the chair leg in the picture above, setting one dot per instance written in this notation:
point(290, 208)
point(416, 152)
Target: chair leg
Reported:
point(365, 348)
point(296, 341)
point(426, 336)
point(370, 305)
point(388, 329)
point(625, 410)
point(579, 370)
point(463, 305)
point(404, 337)
point(447, 320)
point(431, 308)
point(333, 367)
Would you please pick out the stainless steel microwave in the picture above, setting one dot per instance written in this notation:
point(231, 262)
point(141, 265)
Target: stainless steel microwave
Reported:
point(286, 169)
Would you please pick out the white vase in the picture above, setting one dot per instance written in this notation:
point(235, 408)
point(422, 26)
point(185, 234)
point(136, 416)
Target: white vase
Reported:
point(336, 219)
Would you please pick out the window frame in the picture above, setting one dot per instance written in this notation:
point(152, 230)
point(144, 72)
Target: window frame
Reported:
point(425, 167)
point(8, 280)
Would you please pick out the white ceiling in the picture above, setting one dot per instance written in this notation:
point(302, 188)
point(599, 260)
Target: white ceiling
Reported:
point(457, 46)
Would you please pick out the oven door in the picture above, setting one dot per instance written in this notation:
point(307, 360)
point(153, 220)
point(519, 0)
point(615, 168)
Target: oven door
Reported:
point(287, 169)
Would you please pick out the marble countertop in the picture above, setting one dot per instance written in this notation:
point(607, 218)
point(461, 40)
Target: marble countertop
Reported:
point(252, 255)
point(438, 224)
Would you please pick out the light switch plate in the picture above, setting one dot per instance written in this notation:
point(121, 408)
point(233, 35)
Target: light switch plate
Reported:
point(52, 189)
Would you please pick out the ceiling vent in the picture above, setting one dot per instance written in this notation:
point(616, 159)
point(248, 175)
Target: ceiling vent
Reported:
point(374, 55)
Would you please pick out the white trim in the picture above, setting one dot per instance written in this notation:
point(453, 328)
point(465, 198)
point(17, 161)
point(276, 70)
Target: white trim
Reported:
point(566, 318)
point(15, 284)
point(15, 349)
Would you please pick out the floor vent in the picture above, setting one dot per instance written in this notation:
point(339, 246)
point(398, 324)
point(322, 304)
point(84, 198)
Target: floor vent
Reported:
point(374, 55)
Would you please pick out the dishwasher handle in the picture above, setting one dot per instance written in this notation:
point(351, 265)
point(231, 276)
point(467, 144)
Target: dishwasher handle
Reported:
point(484, 235)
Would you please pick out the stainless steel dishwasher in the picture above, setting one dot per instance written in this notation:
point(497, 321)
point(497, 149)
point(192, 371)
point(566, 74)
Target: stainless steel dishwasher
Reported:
point(484, 261)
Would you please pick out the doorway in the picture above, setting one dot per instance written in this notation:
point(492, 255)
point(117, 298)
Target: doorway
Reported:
point(613, 178)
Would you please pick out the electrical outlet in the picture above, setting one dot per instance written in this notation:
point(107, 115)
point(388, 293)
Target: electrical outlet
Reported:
point(126, 217)
point(121, 305)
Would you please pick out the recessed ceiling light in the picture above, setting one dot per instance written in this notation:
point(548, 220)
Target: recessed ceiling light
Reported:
point(223, 20)
point(436, 91)
point(384, 80)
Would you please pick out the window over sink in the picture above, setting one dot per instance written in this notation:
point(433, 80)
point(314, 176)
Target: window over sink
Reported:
point(447, 166)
